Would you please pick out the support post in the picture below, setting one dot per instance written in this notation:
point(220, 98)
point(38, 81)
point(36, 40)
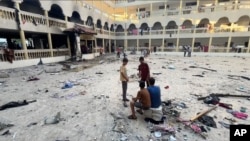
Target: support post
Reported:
point(229, 43)
point(210, 43)
point(248, 47)
point(50, 44)
point(21, 32)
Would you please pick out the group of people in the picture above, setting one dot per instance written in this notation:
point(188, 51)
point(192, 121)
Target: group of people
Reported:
point(146, 98)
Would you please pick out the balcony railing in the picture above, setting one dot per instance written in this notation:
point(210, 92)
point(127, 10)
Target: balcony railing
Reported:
point(57, 23)
point(7, 13)
point(35, 53)
point(60, 52)
point(32, 18)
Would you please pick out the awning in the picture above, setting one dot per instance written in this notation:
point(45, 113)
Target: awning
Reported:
point(81, 30)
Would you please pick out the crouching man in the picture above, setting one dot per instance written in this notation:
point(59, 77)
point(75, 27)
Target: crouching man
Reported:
point(141, 101)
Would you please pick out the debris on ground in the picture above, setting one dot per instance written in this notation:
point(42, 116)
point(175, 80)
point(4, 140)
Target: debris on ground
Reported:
point(14, 104)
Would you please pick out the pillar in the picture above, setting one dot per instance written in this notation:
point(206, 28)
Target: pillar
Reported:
point(66, 20)
point(162, 45)
point(235, 4)
point(109, 46)
point(180, 8)
point(163, 40)
point(50, 44)
point(149, 44)
point(165, 8)
point(103, 44)
point(46, 17)
point(210, 43)
point(177, 44)
point(178, 39)
point(68, 44)
point(21, 33)
point(215, 4)
point(228, 43)
point(248, 48)
point(95, 48)
point(151, 8)
point(49, 35)
point(137, 44)
point(198, 5)
point(193, 40)
point(125, 44)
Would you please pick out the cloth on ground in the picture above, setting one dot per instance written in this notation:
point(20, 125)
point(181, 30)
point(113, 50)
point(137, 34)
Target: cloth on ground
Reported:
point(13, 104)
point(207, 120)
point(238, 114)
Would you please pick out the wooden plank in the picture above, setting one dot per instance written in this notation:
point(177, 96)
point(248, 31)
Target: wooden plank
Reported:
point(202, 113)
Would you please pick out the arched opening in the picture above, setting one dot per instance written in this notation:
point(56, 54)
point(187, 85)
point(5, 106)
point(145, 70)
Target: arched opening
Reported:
point(99, 23)
point(131, 27)
point(112, 27)
point(7, 3)
point(243, 21)
point(119, 28)
point(157, 26)
point(106, 26)
point(76, 18)
point(89, 21)
point(187, 24)
point(171, 25)
point(33, 6)
point(56, 12)
point(144, 26)
point(222, 21)
point(203, 23)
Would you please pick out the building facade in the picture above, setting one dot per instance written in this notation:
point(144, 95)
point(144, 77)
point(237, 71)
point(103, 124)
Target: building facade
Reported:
point(36, 29)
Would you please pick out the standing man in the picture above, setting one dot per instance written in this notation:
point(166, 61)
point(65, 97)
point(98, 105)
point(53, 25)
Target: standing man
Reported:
point(141, 101)
point(155, 93)
point(124, 79)
point(185, 49)
point(144, 72)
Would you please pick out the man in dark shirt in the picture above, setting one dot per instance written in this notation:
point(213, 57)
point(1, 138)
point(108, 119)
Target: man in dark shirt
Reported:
point(155, 94)
point(144, 72)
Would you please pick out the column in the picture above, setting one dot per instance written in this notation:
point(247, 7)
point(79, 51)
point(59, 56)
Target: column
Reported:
point(193, 40)
point(149, 43)
point(177, 44)
point(95, 48)
point(109, 46)
point(137, 44)
point(21, 33)
point(68, 44)
point(198, 5)
point(151, 8)
point(210, 43)
point(178, 40)
point(50, 44)
point(46, 17)
point(49, 35)
point(180, 8)
point(165, 8)
point(125, 44)
point(162, 45)
point(103, 45)
point(248, 48)
point(235, 4)
point(228, 43)
point(215, 4)
point(163, 40)
point(66, 20)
